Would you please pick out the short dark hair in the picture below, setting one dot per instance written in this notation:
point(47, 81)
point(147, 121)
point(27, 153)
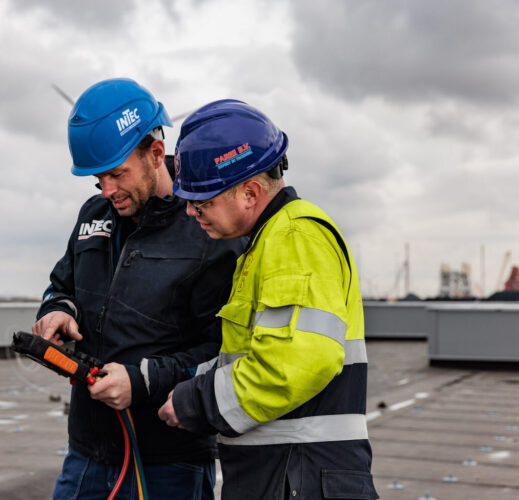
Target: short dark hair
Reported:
point(144, 145)
point(156, 134)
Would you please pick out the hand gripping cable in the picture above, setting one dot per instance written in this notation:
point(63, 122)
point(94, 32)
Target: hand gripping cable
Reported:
point(80, 367)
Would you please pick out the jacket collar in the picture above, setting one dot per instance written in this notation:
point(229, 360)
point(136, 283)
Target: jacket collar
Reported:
point(156, 210)
point(286, 195)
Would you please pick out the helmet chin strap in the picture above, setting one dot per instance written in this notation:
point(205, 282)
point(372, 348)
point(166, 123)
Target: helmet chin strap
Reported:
point(276, 172)
point(157, 133)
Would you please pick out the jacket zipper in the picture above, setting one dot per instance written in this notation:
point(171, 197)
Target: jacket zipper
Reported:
point(130, 257)
point(122, 261)
point(100, 322)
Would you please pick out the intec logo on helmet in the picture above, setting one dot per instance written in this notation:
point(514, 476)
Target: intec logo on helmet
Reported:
point(128, 120)
point(233, 155)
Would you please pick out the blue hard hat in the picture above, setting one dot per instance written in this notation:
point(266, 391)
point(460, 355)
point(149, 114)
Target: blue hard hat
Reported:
point(108, 121)
point(222, 144)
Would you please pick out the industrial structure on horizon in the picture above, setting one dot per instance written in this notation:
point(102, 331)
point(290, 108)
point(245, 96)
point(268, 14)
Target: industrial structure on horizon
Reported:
point(455, 284)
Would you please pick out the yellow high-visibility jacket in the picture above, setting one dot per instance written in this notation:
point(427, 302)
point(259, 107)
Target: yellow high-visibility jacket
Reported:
point(289, 391)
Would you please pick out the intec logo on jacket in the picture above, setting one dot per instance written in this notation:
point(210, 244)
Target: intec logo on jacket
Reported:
point(95, 228)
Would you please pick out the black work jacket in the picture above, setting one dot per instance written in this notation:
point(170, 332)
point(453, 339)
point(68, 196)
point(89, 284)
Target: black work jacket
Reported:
point(159, 303)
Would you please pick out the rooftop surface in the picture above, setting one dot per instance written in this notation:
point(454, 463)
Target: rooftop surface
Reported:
point(450, 433)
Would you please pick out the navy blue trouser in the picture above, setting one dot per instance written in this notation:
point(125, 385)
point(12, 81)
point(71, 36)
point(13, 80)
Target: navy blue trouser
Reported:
point(85, 479)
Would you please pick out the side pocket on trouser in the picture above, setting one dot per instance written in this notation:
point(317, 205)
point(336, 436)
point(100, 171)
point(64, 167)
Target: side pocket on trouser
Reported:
point(347, 485)
point(71, 477)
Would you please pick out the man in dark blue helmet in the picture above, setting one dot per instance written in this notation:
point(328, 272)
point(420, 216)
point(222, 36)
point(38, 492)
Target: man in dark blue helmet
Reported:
point(138, 288)
point(288, 395)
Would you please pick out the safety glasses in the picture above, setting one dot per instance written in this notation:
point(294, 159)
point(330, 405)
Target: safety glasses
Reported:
point(198, 206)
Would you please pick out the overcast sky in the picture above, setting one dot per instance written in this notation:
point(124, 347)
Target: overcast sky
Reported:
point(402, 116)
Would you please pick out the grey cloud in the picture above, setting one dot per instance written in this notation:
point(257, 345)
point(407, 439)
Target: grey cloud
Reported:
point(344, 183)
point(29, 105)
point(410, 50)
point(91, 15)
point(170, 6)
point(452, 120)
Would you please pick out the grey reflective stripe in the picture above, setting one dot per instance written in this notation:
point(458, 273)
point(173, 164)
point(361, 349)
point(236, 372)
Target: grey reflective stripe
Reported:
point(355, 352)
point(70, 304)
point(309, 320)
point(274, 317)
point(205, 367)
point(316, 429)
point(224, 358)
point(145, 374)
point(227, 401)
point(322, 322)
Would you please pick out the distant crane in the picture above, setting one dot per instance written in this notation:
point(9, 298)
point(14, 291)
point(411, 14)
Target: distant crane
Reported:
point(403, 269)
point(500, 277)
point(512, 283)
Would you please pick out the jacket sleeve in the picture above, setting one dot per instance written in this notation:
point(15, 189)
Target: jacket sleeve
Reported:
point(157, 375)
point(59, 295)
point(296, 346)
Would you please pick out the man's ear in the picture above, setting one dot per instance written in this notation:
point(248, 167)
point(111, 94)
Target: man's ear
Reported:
point(158, 152)
point(252, 191)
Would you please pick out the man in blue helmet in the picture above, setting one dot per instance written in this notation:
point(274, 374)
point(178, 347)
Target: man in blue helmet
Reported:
point(138, 288)
point(288, 395)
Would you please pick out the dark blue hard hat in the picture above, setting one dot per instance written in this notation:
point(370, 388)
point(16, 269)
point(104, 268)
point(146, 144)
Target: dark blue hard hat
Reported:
point(108, 121)
point(222, 144)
